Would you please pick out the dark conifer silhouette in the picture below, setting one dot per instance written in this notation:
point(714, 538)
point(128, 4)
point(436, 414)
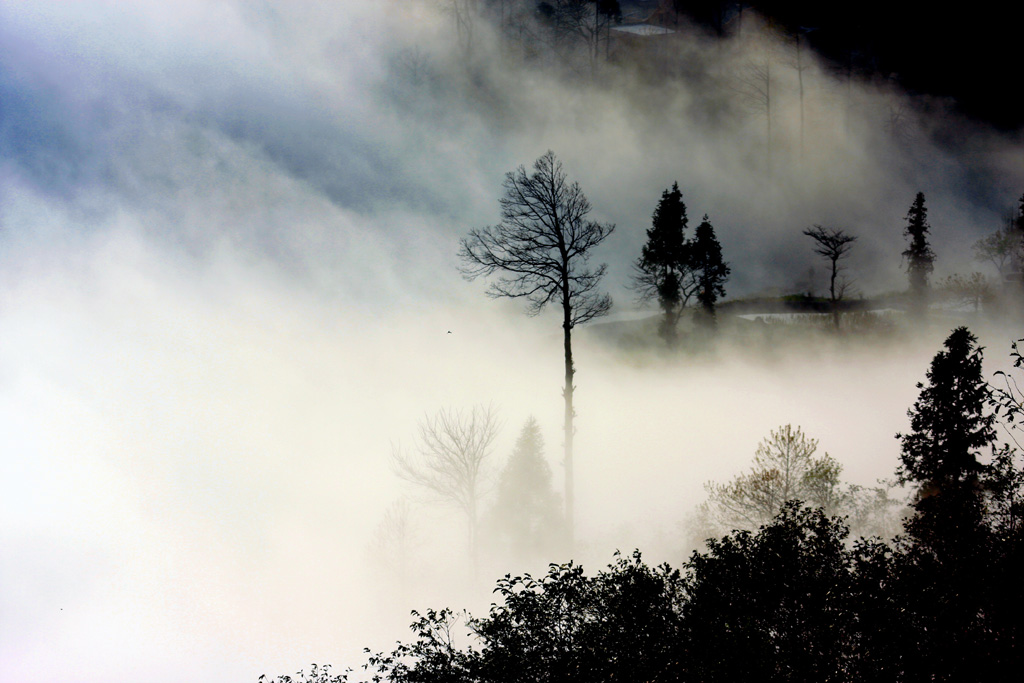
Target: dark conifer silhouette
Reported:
point(918, 256)
point(950, 544)
point(948, 422)
point(710, 270)
point(541, 252)
point(661, 269)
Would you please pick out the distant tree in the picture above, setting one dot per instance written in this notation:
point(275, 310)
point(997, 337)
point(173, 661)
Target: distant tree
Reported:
point(834, 245)
point(998, 248)
point(784, 469)
point(1004, 248)
point(448, 462)
point(527, 512)
point(576, 26)
point(465, 15)
point(918, 256)
point(541, 250)
point(710, 271)
point(967, 290)
point(663, 267)
point(392, 544)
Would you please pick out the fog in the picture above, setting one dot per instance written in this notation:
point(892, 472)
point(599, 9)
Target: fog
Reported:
point(229, 284)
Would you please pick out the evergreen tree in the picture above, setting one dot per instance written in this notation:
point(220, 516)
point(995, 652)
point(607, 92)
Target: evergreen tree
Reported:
point(527, 511)
point(942, 570)
point(919, 257)
point(948, 420)
point(710, 271)
point(661, 268)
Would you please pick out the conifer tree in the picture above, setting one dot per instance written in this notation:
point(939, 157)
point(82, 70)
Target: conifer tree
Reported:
point(527, 510)
point(710, 270)
point(945, 560)
point(918, 256)
point(661, 268)
point(948, 421)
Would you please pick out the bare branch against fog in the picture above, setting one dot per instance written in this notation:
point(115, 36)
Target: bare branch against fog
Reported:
point(540, 252)
point(448, 460)
point(834, 244)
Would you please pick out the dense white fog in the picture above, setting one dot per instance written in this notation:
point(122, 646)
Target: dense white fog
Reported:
point(229, 285)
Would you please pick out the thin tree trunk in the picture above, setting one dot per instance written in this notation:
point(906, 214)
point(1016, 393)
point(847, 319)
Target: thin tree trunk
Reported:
point(832, 296)
point(568, 426)
point(474, 546)
point(800, 79)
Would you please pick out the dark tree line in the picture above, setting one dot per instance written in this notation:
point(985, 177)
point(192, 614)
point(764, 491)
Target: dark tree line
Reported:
point(795, 600)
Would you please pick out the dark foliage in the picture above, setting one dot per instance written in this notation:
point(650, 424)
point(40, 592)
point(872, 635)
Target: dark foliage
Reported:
point(780, 597)
point(711, 271)
point(918, 256)
point(949, 423)
point(794, 601)
point(662, 267)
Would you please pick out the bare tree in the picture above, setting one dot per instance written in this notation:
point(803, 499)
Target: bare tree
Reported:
point(755, 82)
point(448, 461)
point(834, 245)
point(967, 290)
point(541, 250)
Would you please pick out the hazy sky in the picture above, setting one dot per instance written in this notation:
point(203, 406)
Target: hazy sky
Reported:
point(228, 236)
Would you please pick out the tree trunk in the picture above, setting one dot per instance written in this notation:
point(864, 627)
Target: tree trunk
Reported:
point(832, 294)
point(474, 546)
point(800, 79)
point(568, 426)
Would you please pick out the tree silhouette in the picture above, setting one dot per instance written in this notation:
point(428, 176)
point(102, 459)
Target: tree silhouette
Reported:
point(541, 251)
point(661, 270)
point(834, 245)
point(948, 421)
point(710, 272)
point(949, 542)
point(918, 256)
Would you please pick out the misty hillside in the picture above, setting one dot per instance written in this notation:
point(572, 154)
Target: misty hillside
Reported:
point(317, 313)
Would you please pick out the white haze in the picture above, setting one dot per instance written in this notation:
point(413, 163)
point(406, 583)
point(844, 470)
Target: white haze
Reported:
point(228, 284)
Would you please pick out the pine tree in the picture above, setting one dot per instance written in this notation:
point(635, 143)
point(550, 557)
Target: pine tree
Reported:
point(710, 271)
point(948, 420)
point(660, 268)
point(527, 511)
point(919, 257)
point(944, 562)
